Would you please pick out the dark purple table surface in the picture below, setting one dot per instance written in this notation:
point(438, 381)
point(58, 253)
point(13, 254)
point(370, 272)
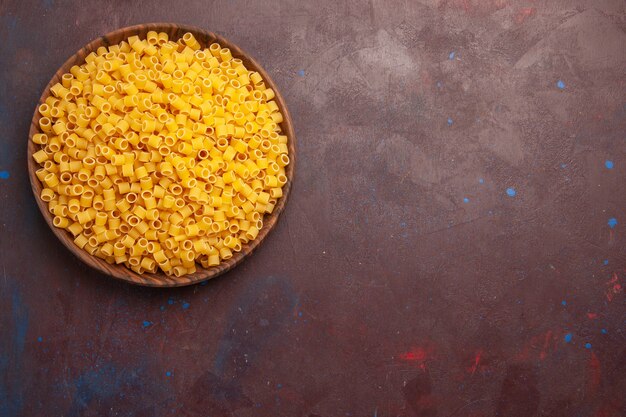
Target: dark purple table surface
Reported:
point(454, 244)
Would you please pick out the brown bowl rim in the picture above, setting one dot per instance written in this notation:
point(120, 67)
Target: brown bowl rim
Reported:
point(121, 272)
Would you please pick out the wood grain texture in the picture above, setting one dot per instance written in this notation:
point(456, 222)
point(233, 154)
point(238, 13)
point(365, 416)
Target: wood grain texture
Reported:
point(160, 279)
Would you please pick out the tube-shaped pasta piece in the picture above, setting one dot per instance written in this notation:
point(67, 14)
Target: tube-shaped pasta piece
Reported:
point(80, 241)
point(148, 263)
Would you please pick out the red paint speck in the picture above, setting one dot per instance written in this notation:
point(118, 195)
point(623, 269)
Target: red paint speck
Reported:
point(524, 13)
point(418, 355)
point(613, 279)
point(592, 316)
point(477, 357)
point(614, 287)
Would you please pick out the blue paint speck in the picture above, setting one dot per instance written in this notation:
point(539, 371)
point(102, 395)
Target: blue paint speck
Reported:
point(168, 373)
point(146, 323)
point(612, 222)
point(170, 301)
point(563, 165)
point(466, 200)
point(40, 339)
point(403, 225)
point(203, 283)
point(564, 302)
point(186, 305)
point(511, 192)
point(568, 338)
point(450, 121)
point(587, 345)
point(439, 84)
point(279, 386)
point(608, 164)
point(560, 84)
point(481, 181)
point(299, 313)
point(4, 175)
point(301, 73)
point(606, 262)
point(604, 331)
point(162, 308)
point(451, 56)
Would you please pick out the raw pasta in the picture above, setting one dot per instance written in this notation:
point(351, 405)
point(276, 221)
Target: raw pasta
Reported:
point(161, 154)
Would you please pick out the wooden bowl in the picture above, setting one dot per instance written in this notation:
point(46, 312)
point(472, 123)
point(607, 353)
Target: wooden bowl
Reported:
point(120, 271)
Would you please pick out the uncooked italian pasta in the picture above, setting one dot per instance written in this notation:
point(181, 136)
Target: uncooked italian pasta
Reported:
point(160, 154)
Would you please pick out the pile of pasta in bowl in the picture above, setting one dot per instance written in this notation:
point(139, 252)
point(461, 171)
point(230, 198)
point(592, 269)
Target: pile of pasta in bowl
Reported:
point(161, 154)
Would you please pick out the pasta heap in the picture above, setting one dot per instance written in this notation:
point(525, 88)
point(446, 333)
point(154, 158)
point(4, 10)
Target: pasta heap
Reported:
point(160, 154)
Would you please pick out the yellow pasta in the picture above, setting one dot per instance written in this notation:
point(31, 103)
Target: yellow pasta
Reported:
point(161, 154)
